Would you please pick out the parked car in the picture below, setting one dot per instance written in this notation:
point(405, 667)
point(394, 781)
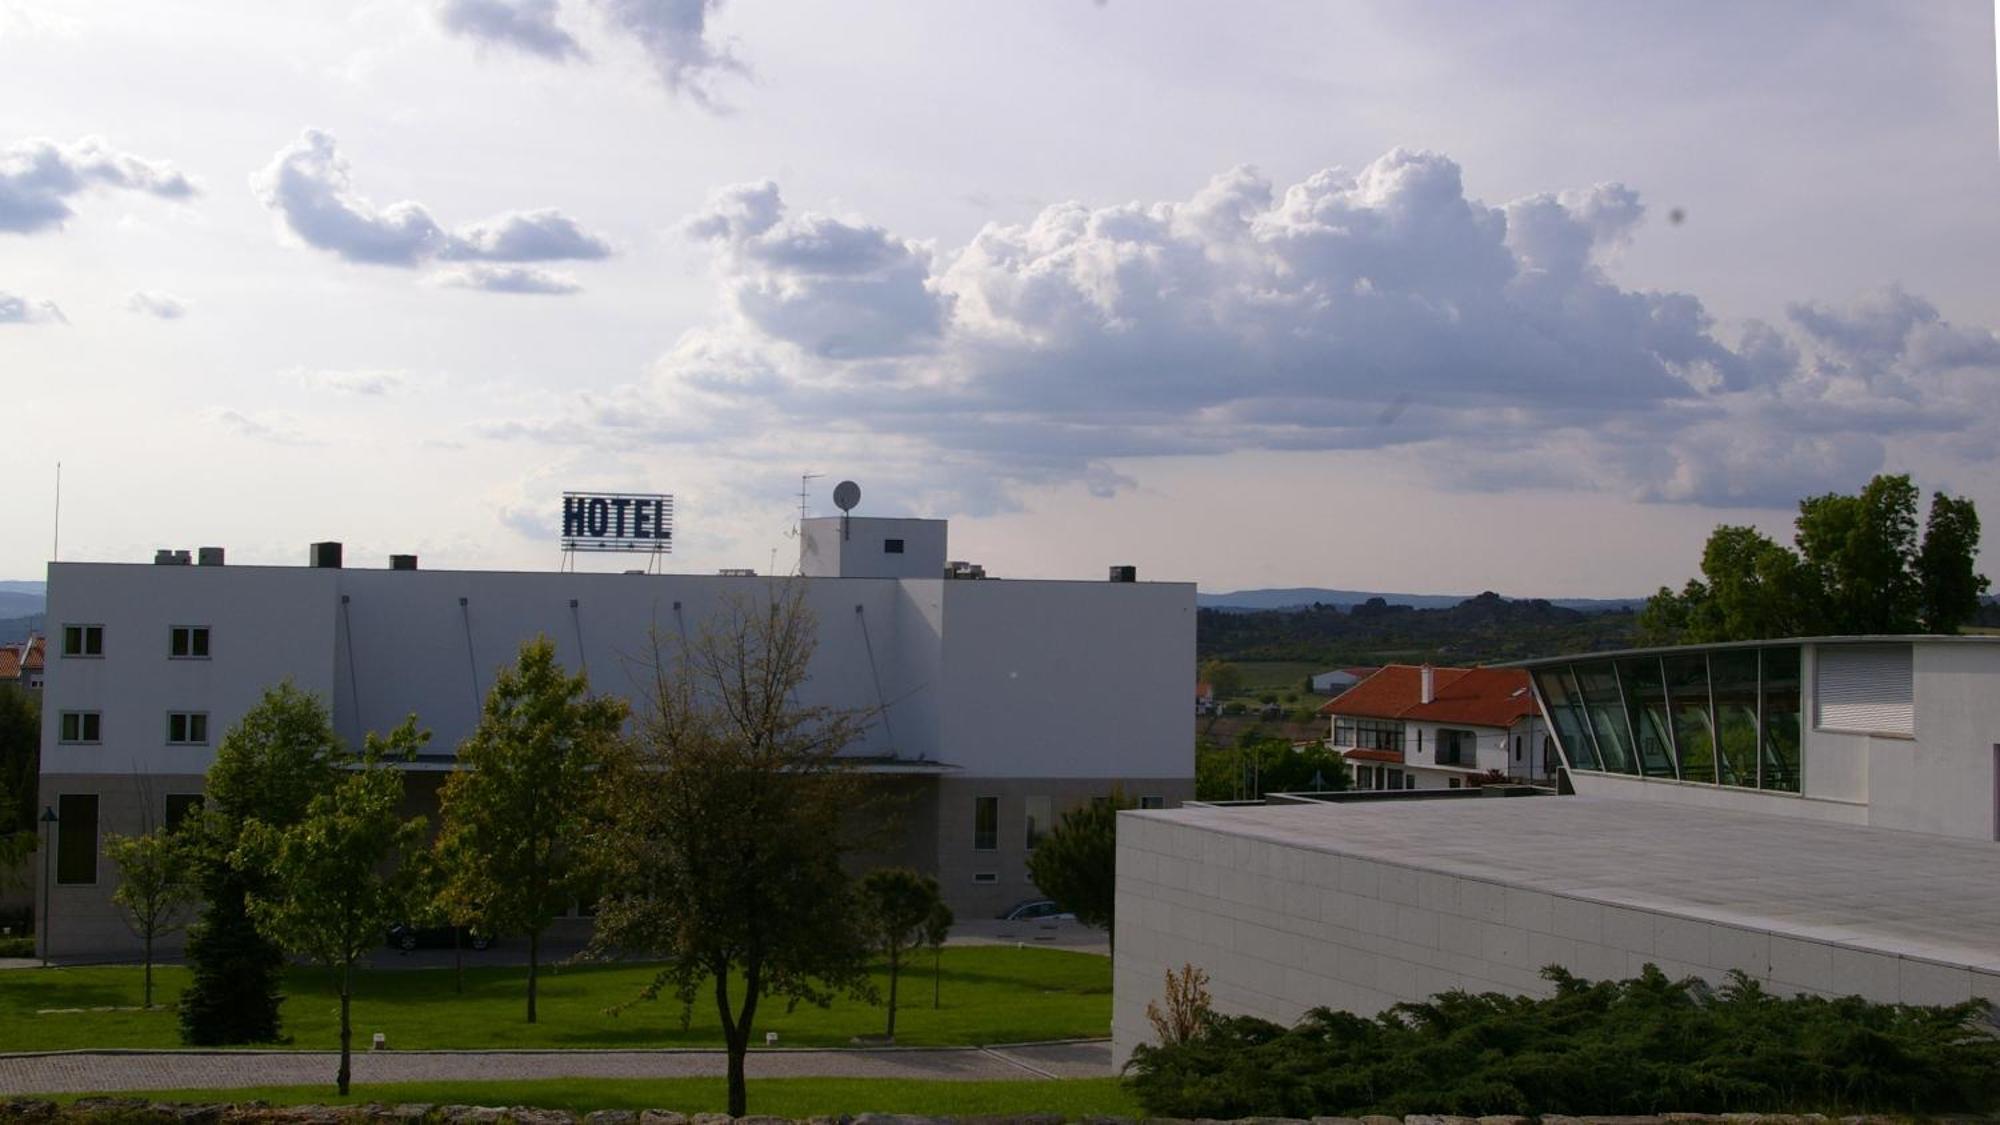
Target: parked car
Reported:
point(407, 937)
point(1037, 910)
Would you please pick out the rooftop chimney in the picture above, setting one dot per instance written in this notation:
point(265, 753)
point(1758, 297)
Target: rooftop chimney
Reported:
point(1429, 681)
point(326, 555)
point(209, 556)
point(402, 562)
point(1124, 574)
point(163, 557)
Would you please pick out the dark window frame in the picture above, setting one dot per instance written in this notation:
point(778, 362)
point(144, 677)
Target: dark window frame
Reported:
point(80, 728)
point(188, 642)
point(83, 642)
point(194, 728)
point(68, 854)
point(892, 546)
point(985, 838)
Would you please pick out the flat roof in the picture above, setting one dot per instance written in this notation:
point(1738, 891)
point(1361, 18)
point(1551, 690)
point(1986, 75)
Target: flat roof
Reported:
point(1907, 893)
point(1856, 639)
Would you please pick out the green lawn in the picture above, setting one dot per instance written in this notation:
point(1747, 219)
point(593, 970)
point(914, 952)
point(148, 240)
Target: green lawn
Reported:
point(781, 1097)
point(991, 994)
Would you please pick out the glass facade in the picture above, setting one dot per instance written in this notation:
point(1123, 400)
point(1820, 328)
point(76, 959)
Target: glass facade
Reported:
point(1716, 716)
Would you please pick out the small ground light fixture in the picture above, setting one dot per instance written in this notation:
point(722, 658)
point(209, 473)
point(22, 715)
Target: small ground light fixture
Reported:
point(380, 1043)
point(770, 1039)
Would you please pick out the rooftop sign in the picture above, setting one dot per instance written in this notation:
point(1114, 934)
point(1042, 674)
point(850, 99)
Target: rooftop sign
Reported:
point(618, 521)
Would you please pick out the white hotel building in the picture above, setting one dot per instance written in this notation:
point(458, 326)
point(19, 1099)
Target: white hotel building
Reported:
point(1001, 702)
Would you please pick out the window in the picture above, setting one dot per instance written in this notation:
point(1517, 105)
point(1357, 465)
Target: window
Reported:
point(76, 838)
point(187, 728)
point(80, 726)
point(1152, 802)
point(985, 823)
point(1455, 747)
point(1864, 688)
point(985, 876)
point(1041, 817)
point(180, 806)
point(892, 546)
point(1643, 682)
point(1517, 747)
point(1409, 781)
point(1364, 777)
point(188, 642)
point(1368, 734)
point(1395, 778)
point(1455, 783)
point(83, 640)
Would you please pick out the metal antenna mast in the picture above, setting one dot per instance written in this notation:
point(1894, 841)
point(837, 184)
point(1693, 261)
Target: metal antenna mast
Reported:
point(55, 548)
point(804, 508)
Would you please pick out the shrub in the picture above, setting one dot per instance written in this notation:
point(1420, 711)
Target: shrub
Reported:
point(17, 947)
point(1648, 1045)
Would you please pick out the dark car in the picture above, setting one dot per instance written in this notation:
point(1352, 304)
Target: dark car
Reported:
point(1037, 910)
point(406, 937)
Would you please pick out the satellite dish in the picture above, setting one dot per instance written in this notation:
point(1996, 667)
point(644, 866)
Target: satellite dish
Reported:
point(846, 495)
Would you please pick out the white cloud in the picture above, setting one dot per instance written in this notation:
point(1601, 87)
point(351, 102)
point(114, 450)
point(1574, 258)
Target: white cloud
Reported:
point(522, 25)
point(24, 310)
point(506, 279)
point(277, 429)
point(676, 38)
point(38, 177)
point(360, 382)
point(1348, 311)
point(164, 306)
point(309, 185)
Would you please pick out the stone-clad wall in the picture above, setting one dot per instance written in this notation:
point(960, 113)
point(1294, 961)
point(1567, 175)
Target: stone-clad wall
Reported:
point(1281, 929)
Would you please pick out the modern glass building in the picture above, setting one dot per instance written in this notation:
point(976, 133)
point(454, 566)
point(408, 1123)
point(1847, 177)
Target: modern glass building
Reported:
point(1899, 732)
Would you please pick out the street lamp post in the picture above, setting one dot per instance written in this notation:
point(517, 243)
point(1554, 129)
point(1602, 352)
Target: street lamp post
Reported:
point(49, 820)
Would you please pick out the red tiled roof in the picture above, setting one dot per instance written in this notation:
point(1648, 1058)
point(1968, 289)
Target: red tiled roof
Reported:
point(1482, 697)
point(11, 662)
point(1374, 755)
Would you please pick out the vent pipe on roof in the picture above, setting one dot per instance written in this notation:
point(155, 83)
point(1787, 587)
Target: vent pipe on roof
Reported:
point(326, 555)
point(209, 556)
point(1429, 677)
point(402, 562)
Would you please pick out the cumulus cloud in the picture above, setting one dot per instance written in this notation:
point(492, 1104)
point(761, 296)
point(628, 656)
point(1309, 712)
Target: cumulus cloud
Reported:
point(165, 306)
point(276, 429)
point(528, 26)
point(309, 185)
point(506, 279)
point(38, 177)
point(23, 310)
point(356, 382)
point(1366, 310)
point(675, 36)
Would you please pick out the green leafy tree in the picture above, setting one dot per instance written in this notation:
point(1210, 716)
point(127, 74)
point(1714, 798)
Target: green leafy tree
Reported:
point(1258, 764)
point(1951, 588)
point(154, 890)
point(269, 767)
point(1224, 678)
point(1076, 864)
point(725, 822)
point(937, 927)
point(20, 771)
point(342, 872)
point(896, 904)
point(515, 813)
point(1858, 567)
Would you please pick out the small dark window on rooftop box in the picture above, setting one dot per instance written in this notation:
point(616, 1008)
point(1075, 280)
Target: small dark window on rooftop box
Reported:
point(892, 546)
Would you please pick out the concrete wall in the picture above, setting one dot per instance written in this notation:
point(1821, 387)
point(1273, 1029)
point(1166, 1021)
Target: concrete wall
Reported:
point(1281, 929)
point(83, 921)
point(831, 547)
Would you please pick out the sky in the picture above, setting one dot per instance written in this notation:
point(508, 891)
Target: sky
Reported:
point(1431, 297)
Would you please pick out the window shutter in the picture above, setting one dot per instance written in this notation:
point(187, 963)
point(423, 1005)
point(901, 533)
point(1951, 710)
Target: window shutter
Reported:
point(1864, 688)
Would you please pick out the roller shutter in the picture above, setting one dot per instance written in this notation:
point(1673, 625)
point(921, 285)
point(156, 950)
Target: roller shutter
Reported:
point(1864, 688)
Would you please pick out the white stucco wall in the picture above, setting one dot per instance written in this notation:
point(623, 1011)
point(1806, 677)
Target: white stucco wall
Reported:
point(831, 547)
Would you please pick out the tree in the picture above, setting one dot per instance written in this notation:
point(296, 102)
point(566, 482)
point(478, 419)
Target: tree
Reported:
point(1858, 567)
point(20, 772)
point(1076, 864)
point(154, 887)
point(725, 820)
point(514, 814)
point(341, 873)
point(937, 927)
point(1951, 588)
point(1224, 678)
point(896, 905)
point(269, 767)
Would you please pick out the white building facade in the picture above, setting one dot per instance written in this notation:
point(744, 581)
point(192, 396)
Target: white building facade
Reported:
point(1000, 703)
point(1422, 727)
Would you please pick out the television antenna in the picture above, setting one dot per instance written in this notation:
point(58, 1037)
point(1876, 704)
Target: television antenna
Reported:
point(805, 509)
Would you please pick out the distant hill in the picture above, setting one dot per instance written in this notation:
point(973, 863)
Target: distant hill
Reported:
point(18, 599)
point(1488, 629)
point(14, 630)
point(1296, 597)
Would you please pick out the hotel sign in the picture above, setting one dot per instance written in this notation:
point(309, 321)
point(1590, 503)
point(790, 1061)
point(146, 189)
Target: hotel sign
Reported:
point(618, 521)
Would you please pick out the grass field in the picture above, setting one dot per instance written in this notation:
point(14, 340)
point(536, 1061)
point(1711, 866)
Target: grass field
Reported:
point(781, 1097)
point(991, 994)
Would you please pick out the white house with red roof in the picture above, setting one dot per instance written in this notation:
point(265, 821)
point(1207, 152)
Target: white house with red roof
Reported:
point(21, 663)
point(1420, 727)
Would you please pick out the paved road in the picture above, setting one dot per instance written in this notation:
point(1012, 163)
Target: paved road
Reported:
point(83, 1071)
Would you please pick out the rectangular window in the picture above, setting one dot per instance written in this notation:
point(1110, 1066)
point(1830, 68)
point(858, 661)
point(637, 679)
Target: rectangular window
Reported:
point(1454, 783)
point(180, 806)
point(83, 640)
point(1152, 802)
point(985, 823)
point(1779, 768)
point(1041, 817)
point(1395, 779)
point(892, 546)
point(80, 726)
point(985, 876)
point(1455, 747)
point(1409, 781)
point(76, 838)
point(1368, 734)
point(188, 642)
point(1364, 777)
point(1864, 688)
point(187, 728)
